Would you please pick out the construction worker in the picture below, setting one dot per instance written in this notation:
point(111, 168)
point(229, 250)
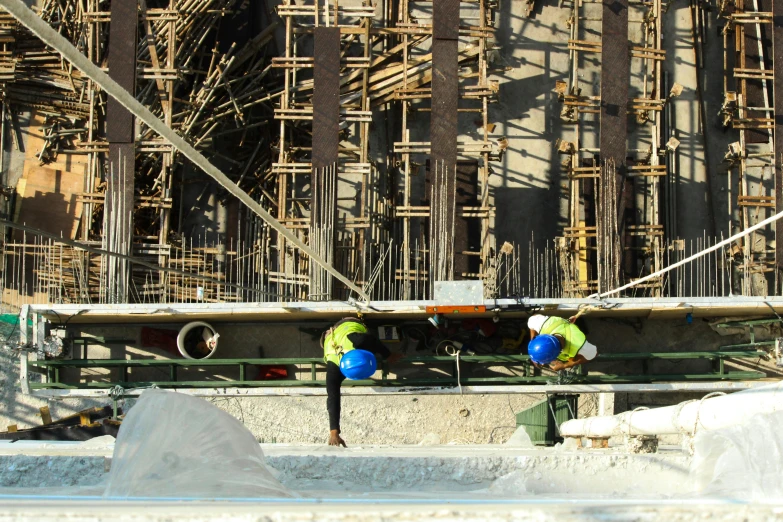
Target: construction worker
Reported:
point(558, 342)
point(349, 353)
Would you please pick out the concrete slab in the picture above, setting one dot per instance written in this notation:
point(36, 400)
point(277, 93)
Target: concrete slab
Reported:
point(404, 472)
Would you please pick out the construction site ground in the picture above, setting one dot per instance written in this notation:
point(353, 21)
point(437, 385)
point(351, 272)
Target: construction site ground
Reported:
point(529, 200)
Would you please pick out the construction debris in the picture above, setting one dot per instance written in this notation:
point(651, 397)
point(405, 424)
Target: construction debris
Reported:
point(84, 425)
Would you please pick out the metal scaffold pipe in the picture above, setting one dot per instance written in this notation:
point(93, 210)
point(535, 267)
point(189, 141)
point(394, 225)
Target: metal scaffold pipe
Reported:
point(42, 30)
point(709, 413)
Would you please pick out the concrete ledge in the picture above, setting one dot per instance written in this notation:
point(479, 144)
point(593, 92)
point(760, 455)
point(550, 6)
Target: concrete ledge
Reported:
point(705, 387)
point(654, 308)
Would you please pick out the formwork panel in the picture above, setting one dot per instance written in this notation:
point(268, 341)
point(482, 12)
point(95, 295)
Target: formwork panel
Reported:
point(445, 23)
point(326, 96)
point(615, 67)
point(123, 29)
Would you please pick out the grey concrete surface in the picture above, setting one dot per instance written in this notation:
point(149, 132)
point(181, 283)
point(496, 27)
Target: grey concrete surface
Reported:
point(528, 184)
point(403, 471)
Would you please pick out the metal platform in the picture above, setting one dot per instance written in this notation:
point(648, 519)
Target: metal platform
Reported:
point(451, 372)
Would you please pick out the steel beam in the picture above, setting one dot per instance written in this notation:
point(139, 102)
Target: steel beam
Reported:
point(652, 308)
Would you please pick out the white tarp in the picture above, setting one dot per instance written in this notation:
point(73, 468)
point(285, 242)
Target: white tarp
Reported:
point(174, 445)
point(743, 462)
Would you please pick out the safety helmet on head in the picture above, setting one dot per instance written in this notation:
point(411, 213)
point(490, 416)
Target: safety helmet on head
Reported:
point(543, 349)
point(358, 364)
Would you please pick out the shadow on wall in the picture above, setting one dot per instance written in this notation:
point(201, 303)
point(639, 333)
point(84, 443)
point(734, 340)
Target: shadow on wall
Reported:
point(522, 212)
point(696, 204)
point(528, 116)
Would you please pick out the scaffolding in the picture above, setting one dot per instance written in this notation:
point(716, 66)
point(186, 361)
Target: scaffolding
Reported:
point(218, 97)
point(601, 247)
point(748, 108)
point(356, 211)
point(412, 43)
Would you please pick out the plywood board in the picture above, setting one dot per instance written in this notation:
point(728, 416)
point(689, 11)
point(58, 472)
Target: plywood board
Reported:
point(123, 28)
point(48, 200)
point(445, 19)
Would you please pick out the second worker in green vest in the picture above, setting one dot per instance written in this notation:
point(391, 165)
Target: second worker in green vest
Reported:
point(348, 335)
point(574, 347)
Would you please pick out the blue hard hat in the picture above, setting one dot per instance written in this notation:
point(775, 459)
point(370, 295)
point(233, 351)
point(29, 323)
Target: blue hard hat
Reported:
point(543, 349)
point(358, 364)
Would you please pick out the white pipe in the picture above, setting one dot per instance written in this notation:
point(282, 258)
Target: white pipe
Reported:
point(687, 260)
point(210, 335)
point(709, 413)
point(55, 40)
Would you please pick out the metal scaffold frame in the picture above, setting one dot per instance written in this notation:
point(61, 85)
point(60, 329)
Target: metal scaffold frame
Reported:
point(748, 108)
point(355, 225)
point(601, 248)
point(413, 41)
point(211, 96)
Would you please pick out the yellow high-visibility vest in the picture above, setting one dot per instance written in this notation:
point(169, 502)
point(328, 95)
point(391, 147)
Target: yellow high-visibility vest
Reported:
point(574, 338)
point(337, 343)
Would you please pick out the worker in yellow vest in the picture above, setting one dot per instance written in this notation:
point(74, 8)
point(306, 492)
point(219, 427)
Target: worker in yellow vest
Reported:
point(349, 353)
point(558, 342)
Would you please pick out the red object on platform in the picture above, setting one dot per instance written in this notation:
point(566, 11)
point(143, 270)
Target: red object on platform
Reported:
point(271, 373)
point(160, 338)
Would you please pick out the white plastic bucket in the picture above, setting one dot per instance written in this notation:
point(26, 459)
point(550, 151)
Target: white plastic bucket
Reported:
point(209, 335)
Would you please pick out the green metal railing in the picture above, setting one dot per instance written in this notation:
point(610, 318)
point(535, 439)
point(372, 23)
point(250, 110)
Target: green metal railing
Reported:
point(751, 326)
point(527, 374)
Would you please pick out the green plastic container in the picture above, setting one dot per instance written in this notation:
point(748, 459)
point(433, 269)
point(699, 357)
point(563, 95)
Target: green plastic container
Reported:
point(539, 424)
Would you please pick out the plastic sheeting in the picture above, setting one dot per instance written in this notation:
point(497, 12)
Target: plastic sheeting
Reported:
point(174, 445)
point(743, 462)
point(520, 439)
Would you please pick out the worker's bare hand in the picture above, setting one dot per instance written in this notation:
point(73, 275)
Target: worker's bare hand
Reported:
point(393, 358)
point(572, 319)
point(558, 365)
point(335, 439)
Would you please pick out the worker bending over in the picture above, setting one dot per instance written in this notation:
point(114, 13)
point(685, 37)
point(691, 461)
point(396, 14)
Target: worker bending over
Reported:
point(558, 342)
point(349, 352)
